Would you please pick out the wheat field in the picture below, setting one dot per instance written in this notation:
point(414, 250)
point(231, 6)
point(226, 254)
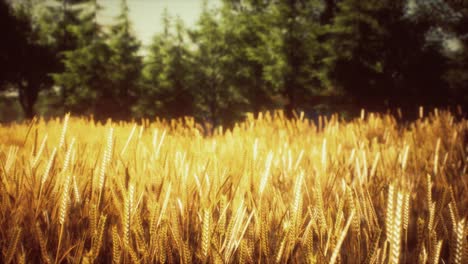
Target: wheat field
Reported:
point(269, 190)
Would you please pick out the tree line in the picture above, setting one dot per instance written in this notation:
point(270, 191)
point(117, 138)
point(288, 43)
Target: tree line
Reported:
point(242, 56)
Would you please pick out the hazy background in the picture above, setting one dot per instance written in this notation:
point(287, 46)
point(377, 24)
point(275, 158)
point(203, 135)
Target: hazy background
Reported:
point(146, 14)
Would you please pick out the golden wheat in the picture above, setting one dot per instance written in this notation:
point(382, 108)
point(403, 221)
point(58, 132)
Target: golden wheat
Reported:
point(269, 189)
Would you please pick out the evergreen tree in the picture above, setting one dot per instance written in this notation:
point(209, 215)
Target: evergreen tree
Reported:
point(455, 47)
point(148, 102)
point(379, 55)
point(125, 67)
point(168, 74)
point(58, 18)
point(295, 45)
point(176, 78)
point(412, 66)
point(438, 57)
point(85, 79)
point(356, 43)
point(216, 99)
point(247, 28)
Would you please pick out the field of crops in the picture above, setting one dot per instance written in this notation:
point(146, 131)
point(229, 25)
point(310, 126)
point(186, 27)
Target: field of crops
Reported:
point(269, 190)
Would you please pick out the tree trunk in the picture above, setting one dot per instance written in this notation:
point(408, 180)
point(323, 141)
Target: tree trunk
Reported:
point(28, 97)
point(290, 107)
point(293, 59)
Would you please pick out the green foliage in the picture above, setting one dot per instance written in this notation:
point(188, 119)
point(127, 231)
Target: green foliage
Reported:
point(247, 30)
point(217, 100)
point(380, 55)
point(246, 56)
point(56, 21)
point(124, 68)
point(168, 74)
point(85, 79)
point(355, 46)
point(148, 103)
point(287, 46)
point(301, 50)
point(456, 47)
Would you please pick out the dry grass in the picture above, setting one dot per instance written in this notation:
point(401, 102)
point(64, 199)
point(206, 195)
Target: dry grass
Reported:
point(268, 190)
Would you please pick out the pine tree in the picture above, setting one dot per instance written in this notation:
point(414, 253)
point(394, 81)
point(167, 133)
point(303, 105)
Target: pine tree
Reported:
point(125, 65)
point(455, 48)
point(57, 19)
point(380, 55)
point(356, 45)
point(176, 78)
point(168, 74)
point(294, 43)
point(247, 27)
point(85, 78)
point(148, 103)
point(217, 101)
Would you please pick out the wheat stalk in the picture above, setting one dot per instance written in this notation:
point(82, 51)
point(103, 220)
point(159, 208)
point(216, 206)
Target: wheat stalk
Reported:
point(128, 140)
point(266, 173)
point(45, 175)
point(64, 130)
point(39, 152)
point(267, 190)
point(341, 238)
point(13, 245)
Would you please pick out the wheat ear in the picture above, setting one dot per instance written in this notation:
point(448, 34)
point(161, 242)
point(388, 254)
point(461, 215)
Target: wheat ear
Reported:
point(206, 236)
point(127, 215)
point(97, 239)
point(116, 249)
point(42, 244)
point(104, 163)
point(459, 233)
point(395, 238)
point(64, 130)
point(10, 253)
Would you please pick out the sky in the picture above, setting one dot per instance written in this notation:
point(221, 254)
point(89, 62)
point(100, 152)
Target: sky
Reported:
point(146, 15)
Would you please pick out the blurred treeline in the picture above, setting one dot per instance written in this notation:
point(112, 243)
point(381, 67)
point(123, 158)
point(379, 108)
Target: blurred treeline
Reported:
point(243, 56)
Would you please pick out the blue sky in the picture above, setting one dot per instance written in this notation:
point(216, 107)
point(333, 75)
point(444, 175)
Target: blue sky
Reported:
point(146, 14)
